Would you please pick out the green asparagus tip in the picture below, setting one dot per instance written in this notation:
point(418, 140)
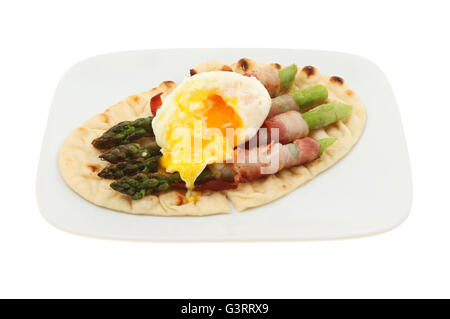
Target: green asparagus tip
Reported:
point(310, 96)
point(326, 143)
point(124, 133)
point(287, 77)
point(326, 114)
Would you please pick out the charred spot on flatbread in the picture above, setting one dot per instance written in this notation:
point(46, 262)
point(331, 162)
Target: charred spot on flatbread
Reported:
point(244, 64)
point(94, 167)
point(336, 79)
point(309, 70)
point(180, 199)
point(168, 84)
point(210, 66)
point(276, 66)
point(105, 118)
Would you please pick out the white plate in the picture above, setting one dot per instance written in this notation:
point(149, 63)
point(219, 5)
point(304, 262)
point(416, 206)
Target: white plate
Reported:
point(367, 192)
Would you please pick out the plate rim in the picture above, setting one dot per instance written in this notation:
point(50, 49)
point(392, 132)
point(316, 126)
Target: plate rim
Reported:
point(357, 234)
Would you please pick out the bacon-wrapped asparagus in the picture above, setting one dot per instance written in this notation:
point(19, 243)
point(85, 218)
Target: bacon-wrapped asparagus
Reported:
point(298, 100)
point(293, 125)
point(274, 157)
point(281, 104)
point(273, 80)
point(269, 77)
point(290, 126)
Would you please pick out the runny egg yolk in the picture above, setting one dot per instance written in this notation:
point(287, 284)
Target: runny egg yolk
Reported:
point(220, 115)
point(204, 117)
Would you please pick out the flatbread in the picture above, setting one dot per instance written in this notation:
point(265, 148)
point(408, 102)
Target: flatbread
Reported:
point(79, 162)
point(79, 165)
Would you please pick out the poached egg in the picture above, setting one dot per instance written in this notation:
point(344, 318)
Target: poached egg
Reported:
point(205, 118)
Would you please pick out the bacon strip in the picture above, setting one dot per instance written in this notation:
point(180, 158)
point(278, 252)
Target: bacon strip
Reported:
point(269, 77)
point(155, 103)
point(212, 185)
point(272, 158)
point(290, 126)
point(309, 150)
point(282, 103)
point(215, 185)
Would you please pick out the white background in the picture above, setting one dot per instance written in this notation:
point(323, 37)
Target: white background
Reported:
point(409, 40)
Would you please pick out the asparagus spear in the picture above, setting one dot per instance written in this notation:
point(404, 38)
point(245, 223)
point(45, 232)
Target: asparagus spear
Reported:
point(326, 143)
point(139, 165)
point(287, 77)
point(143, 184)
point(310, 96)
point(130, 151)
point(124, 132)
point(326, 114)
point(298, 100)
